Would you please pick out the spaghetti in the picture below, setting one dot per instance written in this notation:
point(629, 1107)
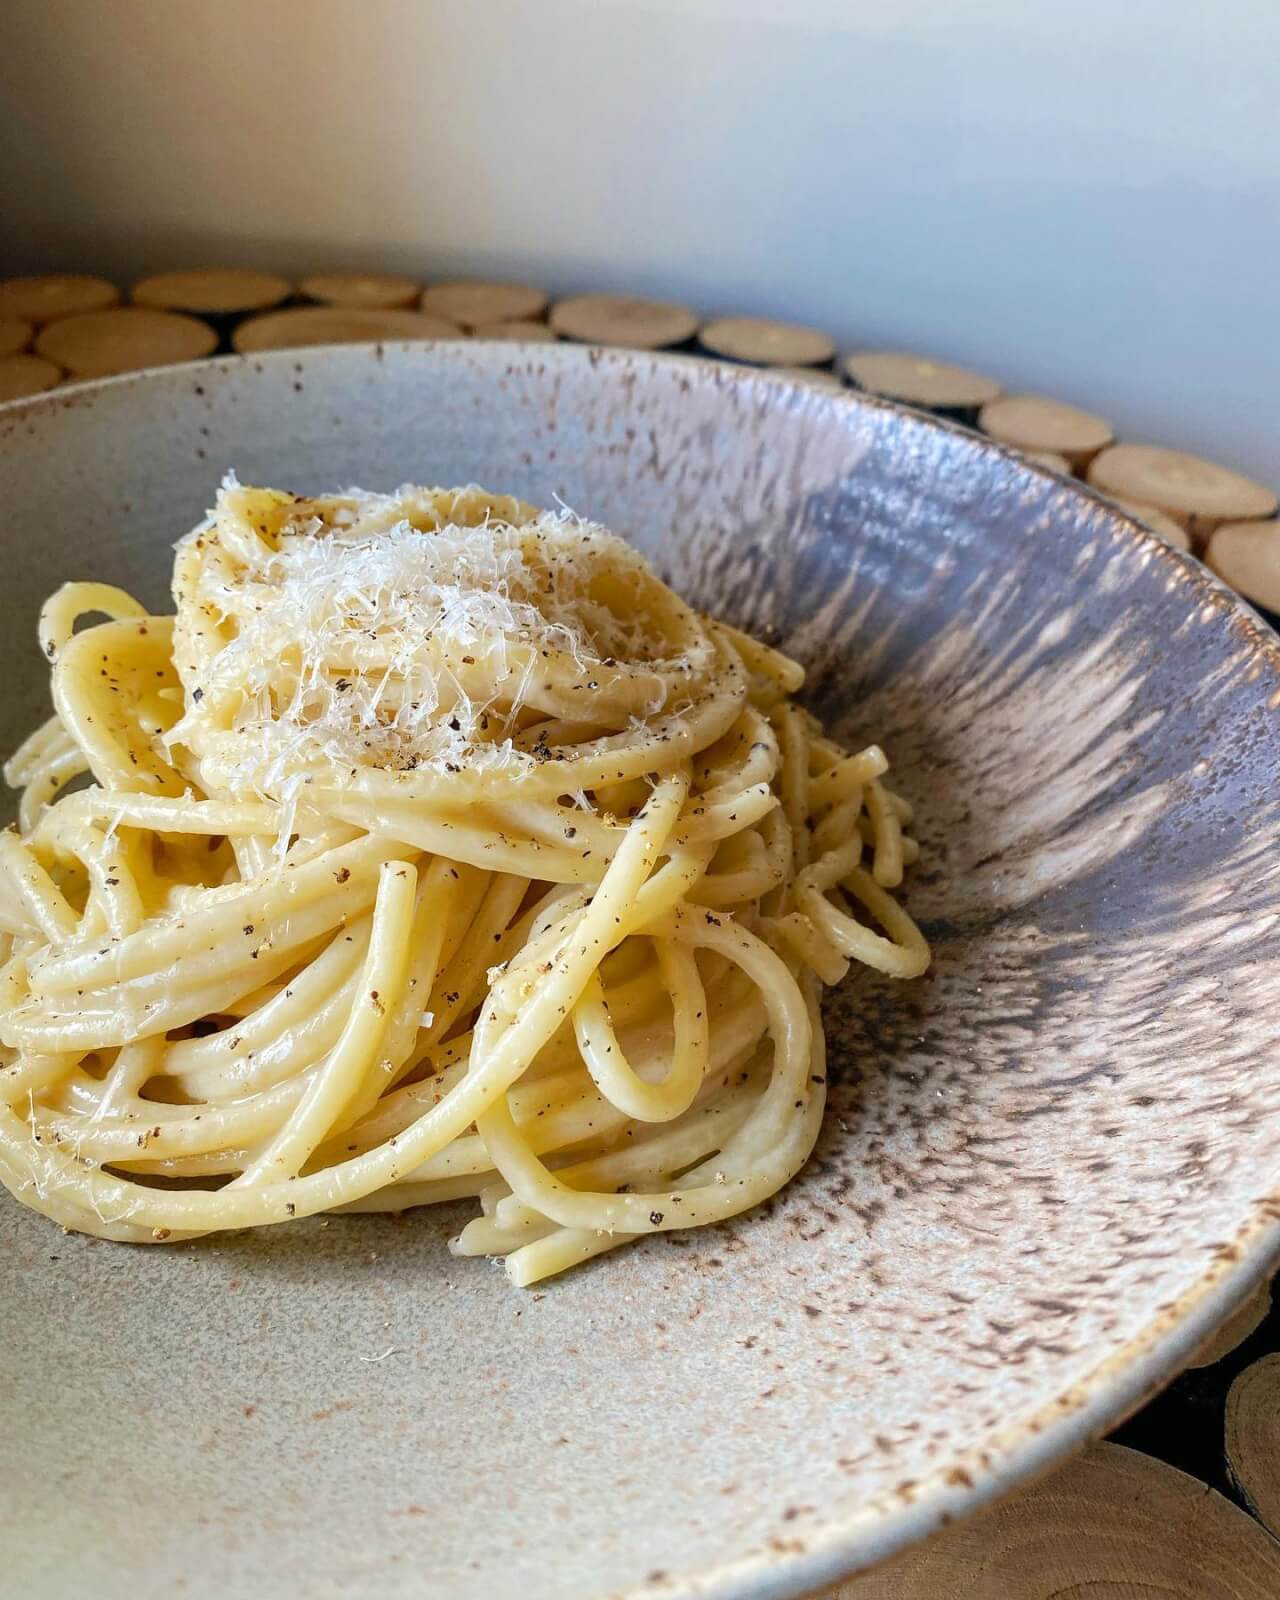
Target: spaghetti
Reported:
point(434, 848)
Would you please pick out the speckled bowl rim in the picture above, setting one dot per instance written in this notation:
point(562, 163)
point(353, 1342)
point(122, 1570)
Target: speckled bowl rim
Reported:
point(1117, 1386)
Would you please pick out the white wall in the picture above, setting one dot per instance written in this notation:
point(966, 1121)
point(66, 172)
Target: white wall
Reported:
point(1083, 198)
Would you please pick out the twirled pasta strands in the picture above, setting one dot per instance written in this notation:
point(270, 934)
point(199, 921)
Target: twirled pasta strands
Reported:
point(433, 849)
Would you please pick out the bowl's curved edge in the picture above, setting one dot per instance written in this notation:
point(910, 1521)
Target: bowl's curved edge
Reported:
point(1117, 1386)
point(1037, 1446)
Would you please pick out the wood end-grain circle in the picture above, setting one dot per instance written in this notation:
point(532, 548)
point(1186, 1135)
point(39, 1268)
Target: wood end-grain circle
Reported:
point(124, 339)
point(22, 375)
point(623, 321)
point(312, 325)
point(55, 295)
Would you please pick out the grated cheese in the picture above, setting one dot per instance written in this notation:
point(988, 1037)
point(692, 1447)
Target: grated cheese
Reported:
point(399, 631)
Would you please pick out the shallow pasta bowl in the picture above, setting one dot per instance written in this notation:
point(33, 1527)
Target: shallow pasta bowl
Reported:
point(1048, 1169)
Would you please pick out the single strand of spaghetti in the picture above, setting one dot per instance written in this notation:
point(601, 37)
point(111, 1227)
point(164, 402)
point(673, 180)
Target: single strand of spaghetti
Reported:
point(887, 859)
point(483, 1236)
point(794, 745)
point(558, 826)
point(810, 944)
point(404, 1196)
point(903, 954)
point(30, 1075)
point(35, 891)
point(162, 814)
point(603, 1054)
point(462, 841)
point(118, 750)
point(47, 779)
point(557, 1252)
point(846, 776)
point(553, 731)
point(67, 604)
point(210, 1164)
point(840, 825)
point(134, 1065)
point(49, 739)
point(775, 831)
point(337, 1082)
point(726, 816)
point(762, 658)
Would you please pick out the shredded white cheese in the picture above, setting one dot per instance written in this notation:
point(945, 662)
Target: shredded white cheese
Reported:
point(399, 631)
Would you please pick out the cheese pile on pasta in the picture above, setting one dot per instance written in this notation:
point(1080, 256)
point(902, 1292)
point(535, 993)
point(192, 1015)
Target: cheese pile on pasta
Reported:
point(433, 849)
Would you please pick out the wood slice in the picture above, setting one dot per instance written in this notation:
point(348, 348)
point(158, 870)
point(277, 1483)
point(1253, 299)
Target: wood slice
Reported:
point(819, 377)
point(1050, 459)
point(125, 339)
point(762, 343)
point(1111, 1525)
point(471, 304)
point(1247, 556)
point(1032, 422)
point(55, 295)
point(1197, 493)
point(14, 336)
point(1253, 1439)
point(383, 291)
point(22, 375)
point(518, 331)
point(1179, 538)
point(920, 381)
point(630, 324)
point(223, 291)
point(308, 325)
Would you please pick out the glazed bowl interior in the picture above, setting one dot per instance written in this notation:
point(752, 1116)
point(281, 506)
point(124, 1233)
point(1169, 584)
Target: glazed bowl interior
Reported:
point(1047, 1170)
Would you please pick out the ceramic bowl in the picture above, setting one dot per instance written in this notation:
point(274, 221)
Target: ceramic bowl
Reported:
point(1048, 1170)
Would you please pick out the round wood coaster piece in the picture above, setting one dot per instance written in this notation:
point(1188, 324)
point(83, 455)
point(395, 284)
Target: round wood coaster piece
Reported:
point(1178, 537)
point(1111, 1525)
point(383, 291)
point(125, 339)
point(56, 295)
point(819, 377)
point(23, 375)
point(919, 380)
point(1032, 422)
point(1197, 493)
point(1050, 459)
point(472, 304)
point(217, 292)
point(619, 320)
point(520, 331)
point(1247, 556)
point(308, 325)
point(764, 343)
point(1239, 1325)
point(1253, 1439)
point(14, 336)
